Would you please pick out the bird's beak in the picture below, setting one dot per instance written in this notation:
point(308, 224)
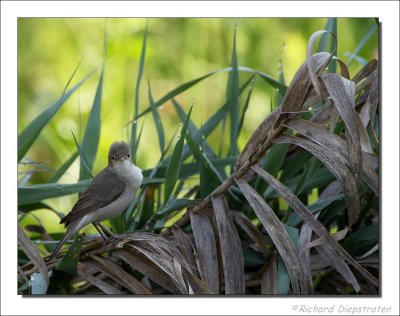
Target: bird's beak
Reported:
point(121, 158)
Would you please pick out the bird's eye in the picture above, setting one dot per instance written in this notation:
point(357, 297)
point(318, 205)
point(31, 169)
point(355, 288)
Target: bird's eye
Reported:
point(128, 155)
point(112, 157)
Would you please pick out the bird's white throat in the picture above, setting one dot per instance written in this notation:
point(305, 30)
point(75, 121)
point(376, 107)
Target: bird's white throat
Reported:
point(127, 170)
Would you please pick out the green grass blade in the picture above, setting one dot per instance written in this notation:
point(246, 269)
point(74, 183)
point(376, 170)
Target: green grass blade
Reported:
point(83, 159)
point(64, 167)
point(185, 86)
point(157, 121)
point(91, 138)
point(193, 130)
point(133, 141)
point(188, 169)
point(175, 205)
point(172, 172)
point(272, 163)
point(32, 131)
point(71, 77)
point(267, 78)
point(363, 41)
point(233, 97)
point(178, 90)
point(246, 104)
point(36, 193)
point(210, 125)
point(209, 176)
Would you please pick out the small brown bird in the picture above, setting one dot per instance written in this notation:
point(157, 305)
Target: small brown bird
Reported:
point(108, 194)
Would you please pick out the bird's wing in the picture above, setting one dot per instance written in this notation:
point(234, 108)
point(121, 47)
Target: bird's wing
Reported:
point(104, 189)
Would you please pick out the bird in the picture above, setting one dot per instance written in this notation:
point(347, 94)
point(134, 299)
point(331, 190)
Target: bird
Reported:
point(109, 193)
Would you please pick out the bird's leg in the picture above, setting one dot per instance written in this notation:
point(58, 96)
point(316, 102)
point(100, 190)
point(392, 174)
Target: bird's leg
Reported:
point(106, 231)
point(100, 232)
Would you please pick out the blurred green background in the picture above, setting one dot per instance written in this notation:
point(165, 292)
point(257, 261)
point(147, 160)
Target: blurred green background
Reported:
point(178, 50)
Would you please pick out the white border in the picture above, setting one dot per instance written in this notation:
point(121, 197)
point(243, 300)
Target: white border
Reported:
point(11, 304)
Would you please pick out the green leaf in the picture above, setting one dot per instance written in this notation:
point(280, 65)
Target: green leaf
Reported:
point(233, 99)
point(363, 41)
point(64, 167)
point(157, 121)
point(69, 263)
point(178, 90)
point(193, 130)
point(322, 178)
point(272, 163)
point(32, 131)
point(133, 141)
point(312, 166)
point(185, 86)
point(172, 172)
point(189, 169)
point(38, 192)
point(209, 175)
point(209, 126)
point(90, 141)
point(83, 159)
point(246, 104)
point(174, 205)
point(361, 240)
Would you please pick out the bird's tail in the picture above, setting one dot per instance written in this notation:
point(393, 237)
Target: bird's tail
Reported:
point(73, 227)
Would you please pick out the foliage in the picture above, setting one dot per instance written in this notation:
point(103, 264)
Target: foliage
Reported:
point(296, 211)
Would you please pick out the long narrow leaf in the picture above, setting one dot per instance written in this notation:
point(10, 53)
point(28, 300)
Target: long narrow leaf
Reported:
point(32, 131)
point(279, 236)
point(316, 226)
point(91, 138)
point(233, 99)
point(133, 141)
point(337, 167)
point(33, 254)
point(185, 86)
point(39, 192)
point(157, 120)
point(336, 145)
point(64, 167)
point(342, 92)
point(231, 249)
point(172, 172)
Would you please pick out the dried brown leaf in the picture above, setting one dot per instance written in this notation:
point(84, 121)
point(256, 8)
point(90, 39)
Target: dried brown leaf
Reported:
point(320, 241)
point(342, 92)
point(335, 145)
point(339, 265)
point(114, 271)
point(184, 244)
point(337, 167)
point(279, 236)
point(100, 284)
point(245, 224)
point(148, 268)
point(206, 250)
point(254, 150)
point(365, 71)
point(311, 220)
point(300, 85)
point(269, 278)
point(33, 254)
point(231, 248)
point(312, 70)
point(364, 139)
